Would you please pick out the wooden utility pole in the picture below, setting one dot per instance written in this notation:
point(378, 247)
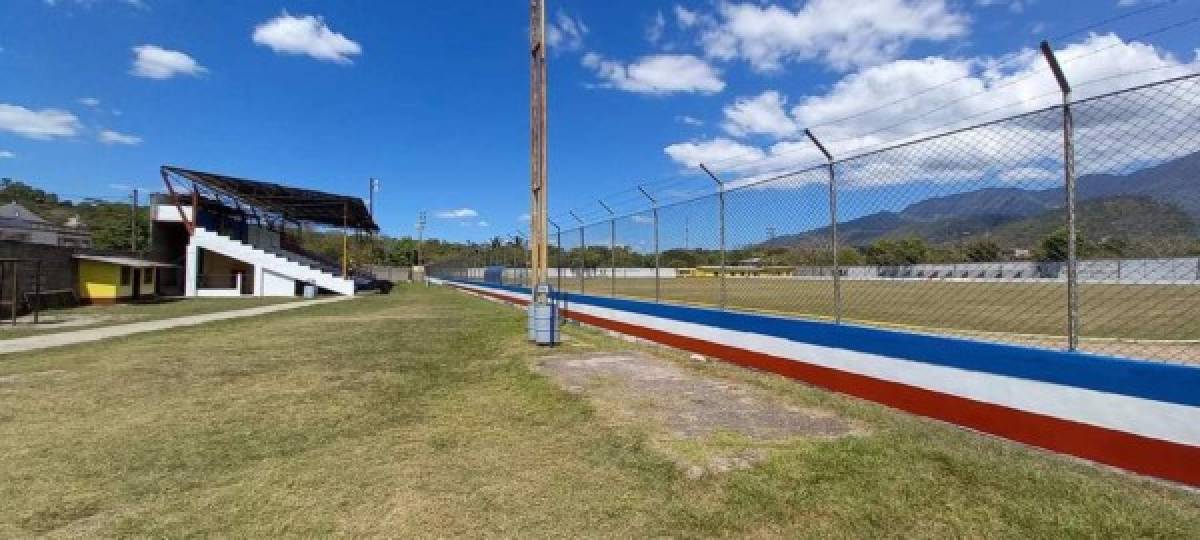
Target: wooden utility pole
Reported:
point(537, 140)
point(133, 208)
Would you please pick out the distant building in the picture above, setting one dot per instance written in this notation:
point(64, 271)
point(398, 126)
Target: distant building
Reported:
point(1022, 254)
point(19, 224)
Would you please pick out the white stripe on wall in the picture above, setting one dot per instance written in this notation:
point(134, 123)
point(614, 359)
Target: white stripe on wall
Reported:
point(1156, 419)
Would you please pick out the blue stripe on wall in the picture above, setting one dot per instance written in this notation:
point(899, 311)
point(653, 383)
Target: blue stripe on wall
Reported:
point(1170, 383)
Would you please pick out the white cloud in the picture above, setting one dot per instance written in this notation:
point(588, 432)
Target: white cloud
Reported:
point(692, 154)
point(482, 223)
point(659, 74)
point(686, 17)
point(457, 213)
point(1027, 174)
point(108, 136)
point(1015, 6)
point(523, 218)
point(906, 99)
point(6, 154)
point(154, 62)
point(42, 125)
point(763, 114)
point(844, 35)
point(89, 101)
point(972, 88)
point(689, 120)
point(656, 28)
point(306, 35)
point(139, 4)
point(565, 33)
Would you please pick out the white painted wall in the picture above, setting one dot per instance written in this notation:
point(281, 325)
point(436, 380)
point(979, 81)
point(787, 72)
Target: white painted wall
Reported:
point(262, 261)
point(218, 293)
point(168, 212)
point(273, 284)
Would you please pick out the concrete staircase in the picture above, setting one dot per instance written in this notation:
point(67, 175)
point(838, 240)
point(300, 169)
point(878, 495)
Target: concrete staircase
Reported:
point(269, 268)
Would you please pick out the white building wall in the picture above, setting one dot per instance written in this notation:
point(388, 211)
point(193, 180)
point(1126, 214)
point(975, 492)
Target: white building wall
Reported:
point(169, 212)
point(1121, 271)
point(208, 240)
point(273, 284)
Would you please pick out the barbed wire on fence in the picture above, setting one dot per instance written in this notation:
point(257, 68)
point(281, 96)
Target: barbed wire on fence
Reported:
point(742, 163)
point(966, 232)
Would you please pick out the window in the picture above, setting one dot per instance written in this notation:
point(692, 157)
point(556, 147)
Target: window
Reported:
point(147, 276)
point(125, 275)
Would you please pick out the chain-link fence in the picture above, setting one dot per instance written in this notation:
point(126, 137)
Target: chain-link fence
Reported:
point(984, 232)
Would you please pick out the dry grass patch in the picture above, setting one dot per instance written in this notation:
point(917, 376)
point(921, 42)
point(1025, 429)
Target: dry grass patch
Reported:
point(707, 424)
point(417, 414)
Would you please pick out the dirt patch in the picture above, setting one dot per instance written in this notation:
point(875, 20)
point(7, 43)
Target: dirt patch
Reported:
point(710, 424)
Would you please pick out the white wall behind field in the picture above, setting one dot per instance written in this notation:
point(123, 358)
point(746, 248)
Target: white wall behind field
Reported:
point(1117, 271)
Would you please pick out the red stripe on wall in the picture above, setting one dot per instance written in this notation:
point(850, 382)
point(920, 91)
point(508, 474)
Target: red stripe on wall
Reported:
point(1154, 457)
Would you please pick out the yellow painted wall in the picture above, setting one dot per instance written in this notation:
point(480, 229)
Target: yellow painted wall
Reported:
point(99, 280)
point(102, 281)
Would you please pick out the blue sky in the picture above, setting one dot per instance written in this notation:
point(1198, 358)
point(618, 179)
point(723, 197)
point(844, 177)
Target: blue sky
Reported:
point(431, 97)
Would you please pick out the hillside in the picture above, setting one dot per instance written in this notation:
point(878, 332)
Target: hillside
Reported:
point(1150, 202)
point(1132, 226)
point(108, 221)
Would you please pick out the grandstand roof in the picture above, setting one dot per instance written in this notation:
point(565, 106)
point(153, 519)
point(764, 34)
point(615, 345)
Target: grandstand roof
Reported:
point(297, 204)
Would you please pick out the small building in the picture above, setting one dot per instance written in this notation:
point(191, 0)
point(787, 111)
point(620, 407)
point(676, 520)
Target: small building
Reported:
point(737, 270)
point(19, 224)
point(108, 279)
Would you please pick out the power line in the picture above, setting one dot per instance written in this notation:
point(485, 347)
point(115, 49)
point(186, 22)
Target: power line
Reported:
point(1113, 19)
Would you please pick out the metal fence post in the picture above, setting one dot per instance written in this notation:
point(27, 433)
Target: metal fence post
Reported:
point(582, 251)
point(833, 231)
point(612, 249)
point(1069, 187)
point(721, 221)
point(657, 277)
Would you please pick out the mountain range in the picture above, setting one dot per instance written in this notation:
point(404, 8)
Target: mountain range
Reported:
point(1163, 200)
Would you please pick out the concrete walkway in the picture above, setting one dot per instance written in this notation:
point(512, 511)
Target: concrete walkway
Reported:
point(33, 343)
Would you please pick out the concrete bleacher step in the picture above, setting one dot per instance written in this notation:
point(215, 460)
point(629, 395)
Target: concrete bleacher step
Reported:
point(272, 261)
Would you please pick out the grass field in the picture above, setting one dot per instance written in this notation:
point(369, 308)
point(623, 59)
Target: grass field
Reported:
point(95, 316)
point(1034, 311)
point(418, 414)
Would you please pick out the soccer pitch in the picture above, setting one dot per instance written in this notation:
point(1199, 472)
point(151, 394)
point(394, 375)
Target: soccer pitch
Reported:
point(1151, 321)
point(425, 413)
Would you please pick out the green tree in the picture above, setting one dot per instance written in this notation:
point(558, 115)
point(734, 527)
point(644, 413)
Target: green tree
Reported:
point(904, 251)
point(1053, 246)
point(983, 250)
